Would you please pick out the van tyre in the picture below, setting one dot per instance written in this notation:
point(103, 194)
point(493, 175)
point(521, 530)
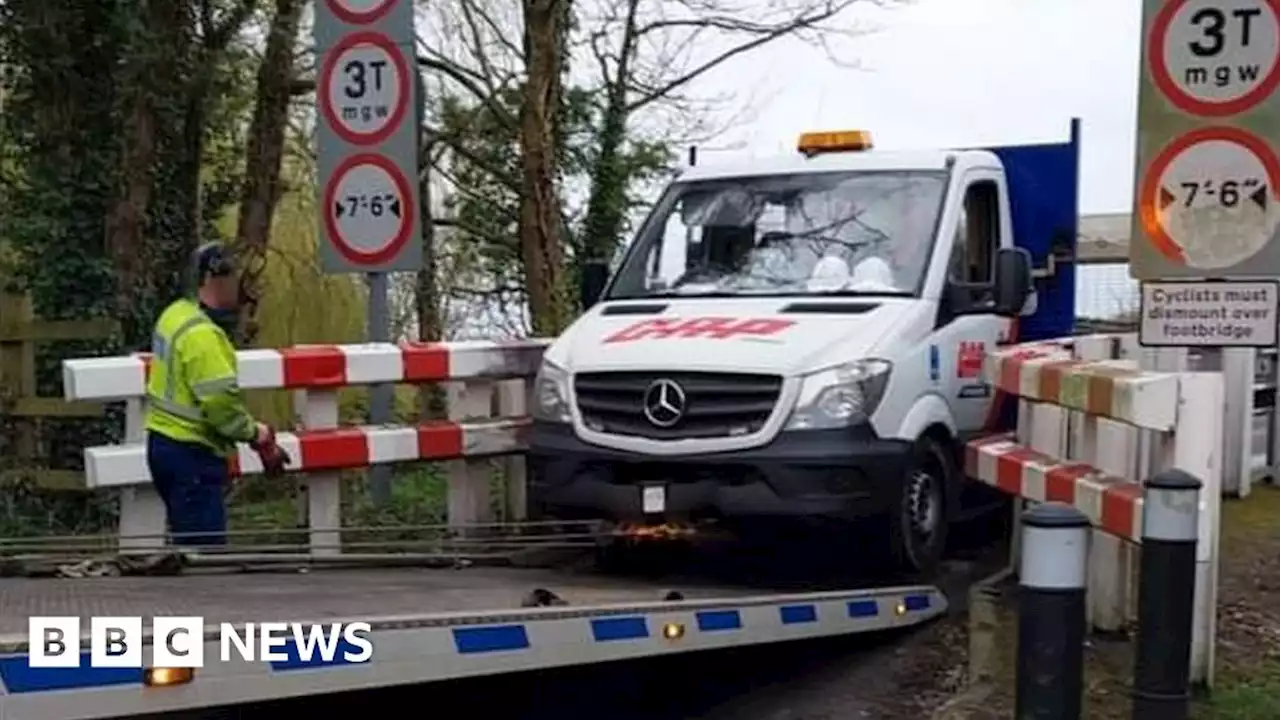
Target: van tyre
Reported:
point(918, 519)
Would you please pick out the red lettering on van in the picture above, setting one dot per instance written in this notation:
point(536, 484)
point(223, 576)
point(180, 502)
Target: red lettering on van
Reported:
point(708, 328)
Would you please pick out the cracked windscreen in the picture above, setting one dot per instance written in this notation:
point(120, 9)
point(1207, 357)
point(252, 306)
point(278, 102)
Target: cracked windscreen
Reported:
point(845, 233)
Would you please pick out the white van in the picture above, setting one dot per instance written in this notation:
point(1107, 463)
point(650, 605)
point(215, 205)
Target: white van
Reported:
point(802, 339)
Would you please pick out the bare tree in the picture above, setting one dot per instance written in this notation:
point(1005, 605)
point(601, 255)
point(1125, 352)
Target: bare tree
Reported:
point(640, 59)
point(262, 188)
point(651, 51)
point(541, 241)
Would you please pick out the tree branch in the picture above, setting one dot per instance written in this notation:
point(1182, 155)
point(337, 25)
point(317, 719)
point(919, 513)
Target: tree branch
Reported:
point(465, 78)
point(219, 34)
point(764, 34)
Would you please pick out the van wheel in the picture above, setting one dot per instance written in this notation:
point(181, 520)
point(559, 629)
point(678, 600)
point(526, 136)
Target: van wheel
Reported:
point(918, 521)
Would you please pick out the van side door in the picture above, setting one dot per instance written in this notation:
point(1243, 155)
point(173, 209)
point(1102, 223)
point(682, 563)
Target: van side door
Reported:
point(963, 339)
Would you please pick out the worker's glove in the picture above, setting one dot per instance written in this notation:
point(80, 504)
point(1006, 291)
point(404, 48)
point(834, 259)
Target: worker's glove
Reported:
point(274, 459)
point(264, 437)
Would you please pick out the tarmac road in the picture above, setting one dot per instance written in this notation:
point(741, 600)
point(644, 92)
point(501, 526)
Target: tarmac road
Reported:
point(880, 676)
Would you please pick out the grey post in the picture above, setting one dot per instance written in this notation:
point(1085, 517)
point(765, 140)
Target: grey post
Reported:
point(1051, 612)
point(382, 396)
point(368, 70)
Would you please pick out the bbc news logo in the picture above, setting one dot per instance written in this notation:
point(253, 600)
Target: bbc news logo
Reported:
point(179, 642)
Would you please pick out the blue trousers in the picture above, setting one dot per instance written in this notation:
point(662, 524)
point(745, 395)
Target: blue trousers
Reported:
point(190, 479)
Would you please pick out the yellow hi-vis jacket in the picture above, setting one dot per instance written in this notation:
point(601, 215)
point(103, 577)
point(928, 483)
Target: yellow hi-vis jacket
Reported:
point(193, 394)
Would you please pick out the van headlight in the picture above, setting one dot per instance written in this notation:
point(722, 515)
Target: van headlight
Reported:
point(840, 396)
point(551, 394)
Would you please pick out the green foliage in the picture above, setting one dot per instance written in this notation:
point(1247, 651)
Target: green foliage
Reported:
point(74, 73)
point(59, 131)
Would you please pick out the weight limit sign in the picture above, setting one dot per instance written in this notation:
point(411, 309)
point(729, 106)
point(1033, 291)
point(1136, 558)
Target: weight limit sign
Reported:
point(1209, 199)
point(1214, 58)
point(364, 89)
point(367, 213)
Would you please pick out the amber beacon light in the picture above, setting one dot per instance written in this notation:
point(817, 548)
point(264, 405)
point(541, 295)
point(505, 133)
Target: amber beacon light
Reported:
point(816, 143)
point(167, 677)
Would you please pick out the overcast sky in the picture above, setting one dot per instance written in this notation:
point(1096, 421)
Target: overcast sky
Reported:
point(961, 72)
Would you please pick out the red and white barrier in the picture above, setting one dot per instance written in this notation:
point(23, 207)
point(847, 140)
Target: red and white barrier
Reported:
point(345, 448)
point(472, 372)
point(1091, 425)
point(1114, 504)
point(322, 366)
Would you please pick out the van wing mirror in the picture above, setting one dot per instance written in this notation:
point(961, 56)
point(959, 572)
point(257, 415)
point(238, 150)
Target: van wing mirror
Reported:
point(1013, 281)
point(595, 275)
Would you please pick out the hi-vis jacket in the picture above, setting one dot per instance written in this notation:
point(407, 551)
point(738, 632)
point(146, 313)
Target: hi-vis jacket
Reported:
point(192, 393)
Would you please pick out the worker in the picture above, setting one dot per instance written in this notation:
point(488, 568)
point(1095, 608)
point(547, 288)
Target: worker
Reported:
point(196, 412)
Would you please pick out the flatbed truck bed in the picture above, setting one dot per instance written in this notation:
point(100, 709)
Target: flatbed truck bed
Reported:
point(427, 625)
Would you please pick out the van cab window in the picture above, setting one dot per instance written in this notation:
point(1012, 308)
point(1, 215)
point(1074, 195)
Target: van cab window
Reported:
point(856, 233)
point(977, 234)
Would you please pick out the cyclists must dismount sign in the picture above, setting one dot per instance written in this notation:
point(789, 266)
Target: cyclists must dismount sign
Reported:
point(1207, 200)
point(368, 137)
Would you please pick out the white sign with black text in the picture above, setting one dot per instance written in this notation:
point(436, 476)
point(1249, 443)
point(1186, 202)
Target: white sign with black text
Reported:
point(1209, 314)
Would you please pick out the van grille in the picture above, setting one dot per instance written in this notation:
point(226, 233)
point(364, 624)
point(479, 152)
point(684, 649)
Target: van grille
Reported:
point(716, 404)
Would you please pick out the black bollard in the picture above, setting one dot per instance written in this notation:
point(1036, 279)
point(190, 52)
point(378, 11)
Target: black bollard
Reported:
point(1166, 597)
point(1051, 612)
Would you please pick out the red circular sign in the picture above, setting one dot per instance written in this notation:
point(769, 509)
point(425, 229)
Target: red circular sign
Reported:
point(397, 242)
point(1179, 95)
point(1149, 201)
point(374, 12)
point(325, 95)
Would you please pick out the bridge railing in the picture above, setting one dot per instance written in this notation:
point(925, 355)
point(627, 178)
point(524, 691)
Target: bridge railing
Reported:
point(1091, 424)
point(486, 384)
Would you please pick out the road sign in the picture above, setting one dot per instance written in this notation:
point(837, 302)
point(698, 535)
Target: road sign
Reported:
point(1208, 200)
point(367, 137)
point(369, 211)
point(365, 88)
point(1216, 57)
point(1209, 314)
point(1208, 193)
point(359, 12)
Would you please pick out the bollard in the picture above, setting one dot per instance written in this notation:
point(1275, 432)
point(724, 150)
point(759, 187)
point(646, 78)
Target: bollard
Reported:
point(1051, 612)
point(1166, 597)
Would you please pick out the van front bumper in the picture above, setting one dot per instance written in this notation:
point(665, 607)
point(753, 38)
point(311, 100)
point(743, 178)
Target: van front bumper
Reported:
point(820, 474)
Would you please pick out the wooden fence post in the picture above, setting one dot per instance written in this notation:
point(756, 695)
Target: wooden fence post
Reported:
point(20, 332)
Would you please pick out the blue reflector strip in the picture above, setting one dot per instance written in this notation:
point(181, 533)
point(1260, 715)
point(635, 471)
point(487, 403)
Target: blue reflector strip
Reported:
point(298, 660)
point(490, 639)
point(623, 628)
point(916, 602)
point(711, 620)
point(19, 677)
point(863, 608)
point(793, 614)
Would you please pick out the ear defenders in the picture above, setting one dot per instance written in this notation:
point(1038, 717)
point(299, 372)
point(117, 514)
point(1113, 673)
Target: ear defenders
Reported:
point(211, 259)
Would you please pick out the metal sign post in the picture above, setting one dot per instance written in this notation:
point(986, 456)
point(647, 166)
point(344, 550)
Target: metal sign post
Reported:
point(368, 158)
point(1206, 204)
